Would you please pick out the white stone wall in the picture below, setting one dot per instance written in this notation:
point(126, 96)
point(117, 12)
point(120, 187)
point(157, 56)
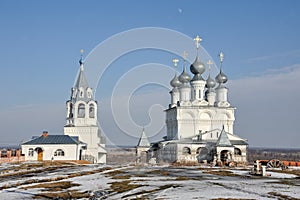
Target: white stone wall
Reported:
point(71, 151)
point(183, 122)
point(89, 135)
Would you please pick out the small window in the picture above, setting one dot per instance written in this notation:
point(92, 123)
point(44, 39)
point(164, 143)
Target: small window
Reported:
point(92, 111)
point(81, 92)
point(59, 152)
point(81, 110)
point(237, 151)
point(30, 152)
point(186, 150)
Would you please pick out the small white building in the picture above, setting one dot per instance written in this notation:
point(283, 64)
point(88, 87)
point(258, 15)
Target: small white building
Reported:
point(53, 147)
point(199, 119)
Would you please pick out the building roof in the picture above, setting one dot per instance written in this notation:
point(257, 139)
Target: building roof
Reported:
point(143, 142)
point(54, 139)
point(81, 82)
point(223, 139)
point(81, 79)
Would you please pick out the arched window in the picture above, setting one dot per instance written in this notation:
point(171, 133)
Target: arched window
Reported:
point(81, 92)
point(202, 151)
point(89, 93)
point(81, 110)
point(92, 111)
point(237, 151)
point(186, 150)
point(30, 152)
point(59, 152)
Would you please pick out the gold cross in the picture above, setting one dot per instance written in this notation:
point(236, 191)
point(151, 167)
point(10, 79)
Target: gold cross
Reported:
point(81, 51)
point(198, 40)
point(184, 55)
point(221, 55)
point(175, 61)
point(209, 64)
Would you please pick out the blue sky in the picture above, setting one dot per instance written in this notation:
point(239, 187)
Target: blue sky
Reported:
point(40, 43)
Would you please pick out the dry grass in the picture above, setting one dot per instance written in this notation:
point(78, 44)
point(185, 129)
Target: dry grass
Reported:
point(71, 194)
point(161, 172)
point(53, 186)
point(282, 196)
point(123, 186)
point(121, 177)
point(144, 193)
point(31, 181)
point(182, 178)
point(221, 173)
point(115, 172)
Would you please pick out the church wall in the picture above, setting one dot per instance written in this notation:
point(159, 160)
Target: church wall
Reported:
point(88, 135)
point(188, 121)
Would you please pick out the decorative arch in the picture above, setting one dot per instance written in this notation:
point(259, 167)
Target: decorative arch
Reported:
point(81, 110)
point(81, 92)
point(186, 151)
point(237, 151)
point(92, 109)
point(188, 115)
point(205, 116)
point(59, 153)
point(202, 151)
point(89, 93)
point(225, 116)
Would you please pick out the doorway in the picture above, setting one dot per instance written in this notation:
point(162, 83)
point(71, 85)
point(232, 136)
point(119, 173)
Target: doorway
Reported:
point(40, 154)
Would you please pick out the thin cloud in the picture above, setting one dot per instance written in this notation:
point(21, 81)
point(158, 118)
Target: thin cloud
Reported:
point(275, 56)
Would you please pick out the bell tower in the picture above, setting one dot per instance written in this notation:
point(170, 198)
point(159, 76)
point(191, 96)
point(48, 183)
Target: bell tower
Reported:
point(81, 119)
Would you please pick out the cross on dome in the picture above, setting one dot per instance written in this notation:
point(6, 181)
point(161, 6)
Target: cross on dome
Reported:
point(184, 57)
point(221, 56)
point(209, 62)
point(198, 40)
point(175, 61)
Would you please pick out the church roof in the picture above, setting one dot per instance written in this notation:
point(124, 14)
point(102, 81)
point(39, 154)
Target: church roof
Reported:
point(223, 139)
point(81, 79)
point(54, 139)
point(81, 83)
point(143, 142)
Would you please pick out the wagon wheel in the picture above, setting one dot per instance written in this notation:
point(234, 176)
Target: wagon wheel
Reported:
point(276, 164)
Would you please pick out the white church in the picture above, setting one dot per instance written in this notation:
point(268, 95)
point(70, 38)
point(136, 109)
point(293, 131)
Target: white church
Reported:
point(199, 120)
point(82, 139)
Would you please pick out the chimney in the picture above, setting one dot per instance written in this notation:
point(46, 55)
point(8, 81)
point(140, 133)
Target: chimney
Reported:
point(45, 134)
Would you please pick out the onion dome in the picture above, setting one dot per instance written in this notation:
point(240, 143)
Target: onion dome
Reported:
point(210, 83)
point(197, 67)
point(221, 77)
point(184, 77)
point(175, 82)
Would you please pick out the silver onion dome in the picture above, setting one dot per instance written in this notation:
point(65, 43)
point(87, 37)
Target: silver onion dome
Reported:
point(184, 77)
point(197, 67)
point(175, 82)
point(210, 83)
point(221, 77)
